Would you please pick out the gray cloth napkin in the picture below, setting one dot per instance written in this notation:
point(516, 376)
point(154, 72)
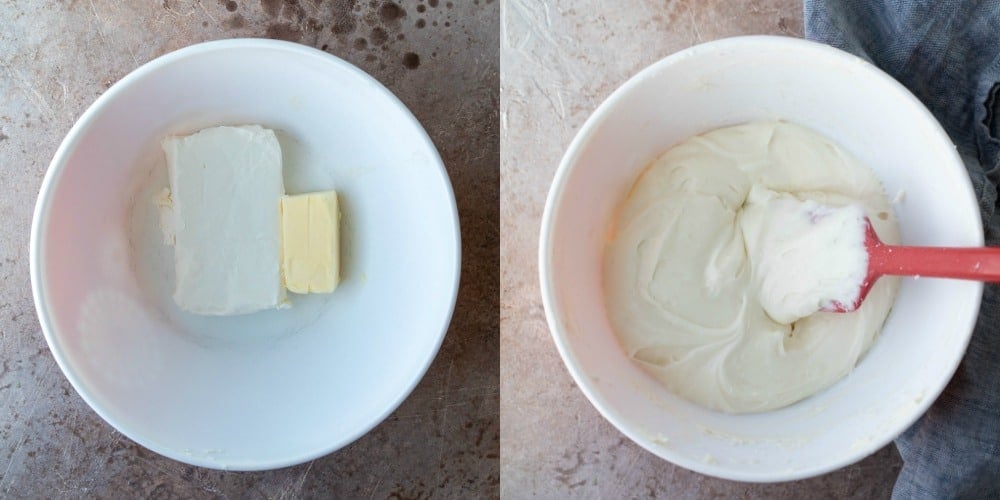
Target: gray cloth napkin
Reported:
point(948, 54)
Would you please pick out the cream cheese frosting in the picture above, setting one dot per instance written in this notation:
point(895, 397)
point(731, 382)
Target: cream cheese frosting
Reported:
point(805, 256)
point(697, 288)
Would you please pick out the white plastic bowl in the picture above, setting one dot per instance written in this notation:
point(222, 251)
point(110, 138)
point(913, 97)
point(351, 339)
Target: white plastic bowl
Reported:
point(725, 83)
point(269, 389)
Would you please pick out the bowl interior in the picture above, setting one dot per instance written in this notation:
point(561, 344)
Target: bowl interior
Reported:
point(272, 388)
point(730, 82)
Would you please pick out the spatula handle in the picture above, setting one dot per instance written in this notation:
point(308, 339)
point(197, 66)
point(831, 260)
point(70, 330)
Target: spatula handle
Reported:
point(977, 263)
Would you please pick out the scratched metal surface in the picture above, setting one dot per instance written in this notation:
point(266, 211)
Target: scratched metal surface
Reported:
point(441, 59)
point(559, 60)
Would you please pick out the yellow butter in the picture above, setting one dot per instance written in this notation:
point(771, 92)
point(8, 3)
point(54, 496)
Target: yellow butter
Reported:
point(310, 227)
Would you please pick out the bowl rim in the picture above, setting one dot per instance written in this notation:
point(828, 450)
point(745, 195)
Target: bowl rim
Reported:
point(40, 221)
point(549, 291)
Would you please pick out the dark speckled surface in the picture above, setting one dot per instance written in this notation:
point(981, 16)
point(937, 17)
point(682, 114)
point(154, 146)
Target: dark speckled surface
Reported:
point(440, 58)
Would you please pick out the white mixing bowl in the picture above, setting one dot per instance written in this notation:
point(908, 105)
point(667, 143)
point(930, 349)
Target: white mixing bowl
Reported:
point(725, 83)
point(273, 388)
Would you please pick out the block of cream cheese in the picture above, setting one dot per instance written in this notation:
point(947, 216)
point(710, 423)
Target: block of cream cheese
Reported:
point(311, 242)
point(223, 217)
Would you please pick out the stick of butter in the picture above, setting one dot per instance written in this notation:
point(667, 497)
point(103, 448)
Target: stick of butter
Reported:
point(221, 215)
point(311, 242)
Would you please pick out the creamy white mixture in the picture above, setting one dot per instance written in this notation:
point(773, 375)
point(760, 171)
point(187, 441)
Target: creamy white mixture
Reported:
point(805, 256)
point(696, 283)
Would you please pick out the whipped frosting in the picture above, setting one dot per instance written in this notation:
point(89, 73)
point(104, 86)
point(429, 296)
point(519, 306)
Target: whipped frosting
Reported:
point(805, 256)
point(705, 279)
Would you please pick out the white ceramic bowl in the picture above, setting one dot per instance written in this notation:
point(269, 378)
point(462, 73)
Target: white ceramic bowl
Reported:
point(729, 82)
point(268, 389)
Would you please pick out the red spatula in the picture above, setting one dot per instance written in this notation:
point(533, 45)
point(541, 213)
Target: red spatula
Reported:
point(975, 263)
